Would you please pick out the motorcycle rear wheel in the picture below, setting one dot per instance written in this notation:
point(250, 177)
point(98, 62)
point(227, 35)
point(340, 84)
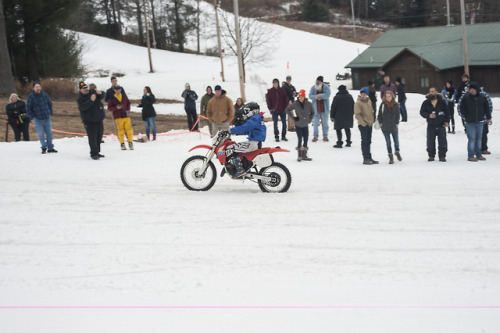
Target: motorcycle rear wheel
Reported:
point(281, 178)
point(192, 179)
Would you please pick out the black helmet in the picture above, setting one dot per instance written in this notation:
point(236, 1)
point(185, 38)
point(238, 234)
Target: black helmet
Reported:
point(245, 112)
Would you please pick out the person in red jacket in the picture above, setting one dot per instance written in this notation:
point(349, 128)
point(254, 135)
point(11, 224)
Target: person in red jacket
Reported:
point(119, 105)
point(277, 101)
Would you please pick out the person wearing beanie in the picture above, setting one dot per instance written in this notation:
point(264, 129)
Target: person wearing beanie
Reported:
point(400, 90)
point(319, 94)
point(302, 113)
point(39, 109)
point(435, 110)
point(341, 113)
point(203, 107)
point(220, 111)
point(373, 97)
point(190, 97)
point(277, 101)
point(291, 92)
point(364, 114)
point(92, 114)
point(475, 111)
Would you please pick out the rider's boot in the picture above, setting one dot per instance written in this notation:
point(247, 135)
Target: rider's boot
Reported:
point(240, 170)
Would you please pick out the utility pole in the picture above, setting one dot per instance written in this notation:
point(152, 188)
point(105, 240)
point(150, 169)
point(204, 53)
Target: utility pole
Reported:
point(353, 19)
point(464, 37)
point(198, 26)
point(147, 37)
point(218, 40)
point(238, 47)
point(448, 12)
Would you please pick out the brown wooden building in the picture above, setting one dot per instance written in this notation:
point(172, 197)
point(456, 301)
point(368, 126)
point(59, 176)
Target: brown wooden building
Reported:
point(428, 57)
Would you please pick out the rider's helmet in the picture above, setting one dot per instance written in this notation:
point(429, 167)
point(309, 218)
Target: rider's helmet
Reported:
point(243, 114)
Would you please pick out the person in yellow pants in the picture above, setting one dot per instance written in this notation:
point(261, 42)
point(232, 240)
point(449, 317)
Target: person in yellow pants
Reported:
point(119, 105)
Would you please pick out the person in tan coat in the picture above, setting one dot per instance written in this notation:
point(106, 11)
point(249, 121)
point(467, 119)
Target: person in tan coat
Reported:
point(220, 111)
point(363, 112)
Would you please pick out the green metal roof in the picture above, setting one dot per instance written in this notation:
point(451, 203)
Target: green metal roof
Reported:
point(439, 46)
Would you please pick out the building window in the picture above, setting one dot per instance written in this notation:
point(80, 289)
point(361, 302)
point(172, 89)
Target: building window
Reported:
point(424, 82)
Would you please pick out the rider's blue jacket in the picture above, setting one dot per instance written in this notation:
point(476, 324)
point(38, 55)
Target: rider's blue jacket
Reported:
point(254, 127)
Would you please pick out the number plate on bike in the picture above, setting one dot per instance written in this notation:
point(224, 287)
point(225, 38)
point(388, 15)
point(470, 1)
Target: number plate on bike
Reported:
point(263, 160)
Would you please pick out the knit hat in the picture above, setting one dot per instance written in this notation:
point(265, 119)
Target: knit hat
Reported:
point(474, 85)
point(320, 78)
point(302, 93)
point(342, 87)
point(217, 87)
point(82, 85)
point(370, 82)
point(187, 85)
point(288, 77)
point(398, 79)
point(365, 90)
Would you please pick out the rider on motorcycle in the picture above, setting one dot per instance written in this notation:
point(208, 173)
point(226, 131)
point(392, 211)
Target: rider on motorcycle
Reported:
point(255, 127)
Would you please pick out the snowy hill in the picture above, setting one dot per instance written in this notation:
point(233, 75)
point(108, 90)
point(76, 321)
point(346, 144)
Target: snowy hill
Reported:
point(119, 245)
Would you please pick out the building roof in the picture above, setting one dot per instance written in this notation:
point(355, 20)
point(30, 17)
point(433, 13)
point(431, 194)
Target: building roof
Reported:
point(439, 46)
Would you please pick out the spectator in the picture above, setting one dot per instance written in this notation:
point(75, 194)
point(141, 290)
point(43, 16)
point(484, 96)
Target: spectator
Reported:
point(92, 114)
point(239, 103)
point(341, 113)
point(18, 118)
point(388, 117)
point(435, 110)
point(203, 106)
point(277, 101)
point(119, 105)
point(148, 111)
point(302, 113)
point(388, 85)
point(462, 90)
point(474, 109)
point(373, 97)
point(484, 140)
point(39, 108)
point(363, 111)
point(400, 89)
point(190, 107)
point(449, 97)
point(320, 94)
point(110, 92)
point(220, 111)
point(291, 93)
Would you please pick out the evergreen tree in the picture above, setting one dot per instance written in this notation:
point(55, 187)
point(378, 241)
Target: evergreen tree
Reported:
point(312, 10)
point(6, 79)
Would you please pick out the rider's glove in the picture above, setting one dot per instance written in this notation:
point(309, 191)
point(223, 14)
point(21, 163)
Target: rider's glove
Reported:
point(224, 133)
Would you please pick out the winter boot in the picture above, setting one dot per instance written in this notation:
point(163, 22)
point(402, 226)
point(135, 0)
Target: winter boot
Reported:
point(154, 137)
point(373, 161)
point(240, 170)
point(131, 146)
point(299, 153)
point(52, 151)
point(367, 161)
point(325, 139)
point(398, 155)
point(122, 145)
point(453, 129)
point(391, 159)
point(44, 150)
point(304, 154)
point(338, 145)
point(348, 143)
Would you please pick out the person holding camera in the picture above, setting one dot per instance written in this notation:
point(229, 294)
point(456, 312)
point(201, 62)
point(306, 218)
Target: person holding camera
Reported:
point(18, 118)
point(119, 105)
point(302, 112)
point(190, 107)
point(92, 114)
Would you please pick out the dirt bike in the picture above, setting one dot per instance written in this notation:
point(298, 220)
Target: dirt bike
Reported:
point(198, 172)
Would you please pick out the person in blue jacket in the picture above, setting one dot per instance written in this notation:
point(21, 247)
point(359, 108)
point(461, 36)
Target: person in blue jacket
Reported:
point(255, 128)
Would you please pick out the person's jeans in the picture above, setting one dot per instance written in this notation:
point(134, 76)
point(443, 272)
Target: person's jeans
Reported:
point(366, 140)
point(150, 123)
point(474, 135)
point(395, 137)
point(325, 118)
point(440, 133)
point(43, 128)
point(302, 135)
point(283, 127)
point(402, 109)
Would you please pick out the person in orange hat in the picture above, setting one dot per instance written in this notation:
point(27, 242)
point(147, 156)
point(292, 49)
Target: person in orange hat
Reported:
point(302, 112)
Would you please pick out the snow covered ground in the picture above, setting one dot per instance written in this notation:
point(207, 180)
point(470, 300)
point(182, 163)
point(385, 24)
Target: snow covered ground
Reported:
point(119, 245)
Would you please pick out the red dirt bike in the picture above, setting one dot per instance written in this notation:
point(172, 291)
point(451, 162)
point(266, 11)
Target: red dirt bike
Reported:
point(198, 173)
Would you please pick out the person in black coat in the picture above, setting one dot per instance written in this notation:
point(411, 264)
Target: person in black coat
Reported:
point(342, 114)
point(435, 110)
point(148, 111)
point(92, 114)
point(18, 118)
point(373, 97)
point(401, 93)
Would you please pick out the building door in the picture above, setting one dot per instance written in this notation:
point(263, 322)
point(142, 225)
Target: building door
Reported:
point(355, 81)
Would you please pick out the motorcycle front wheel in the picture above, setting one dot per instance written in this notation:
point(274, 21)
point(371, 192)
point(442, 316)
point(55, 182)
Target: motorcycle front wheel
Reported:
point(280, 178)
point(193, 179)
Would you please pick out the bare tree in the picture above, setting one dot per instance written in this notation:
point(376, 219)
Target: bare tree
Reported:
point(255, 43)
point(6, 79)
